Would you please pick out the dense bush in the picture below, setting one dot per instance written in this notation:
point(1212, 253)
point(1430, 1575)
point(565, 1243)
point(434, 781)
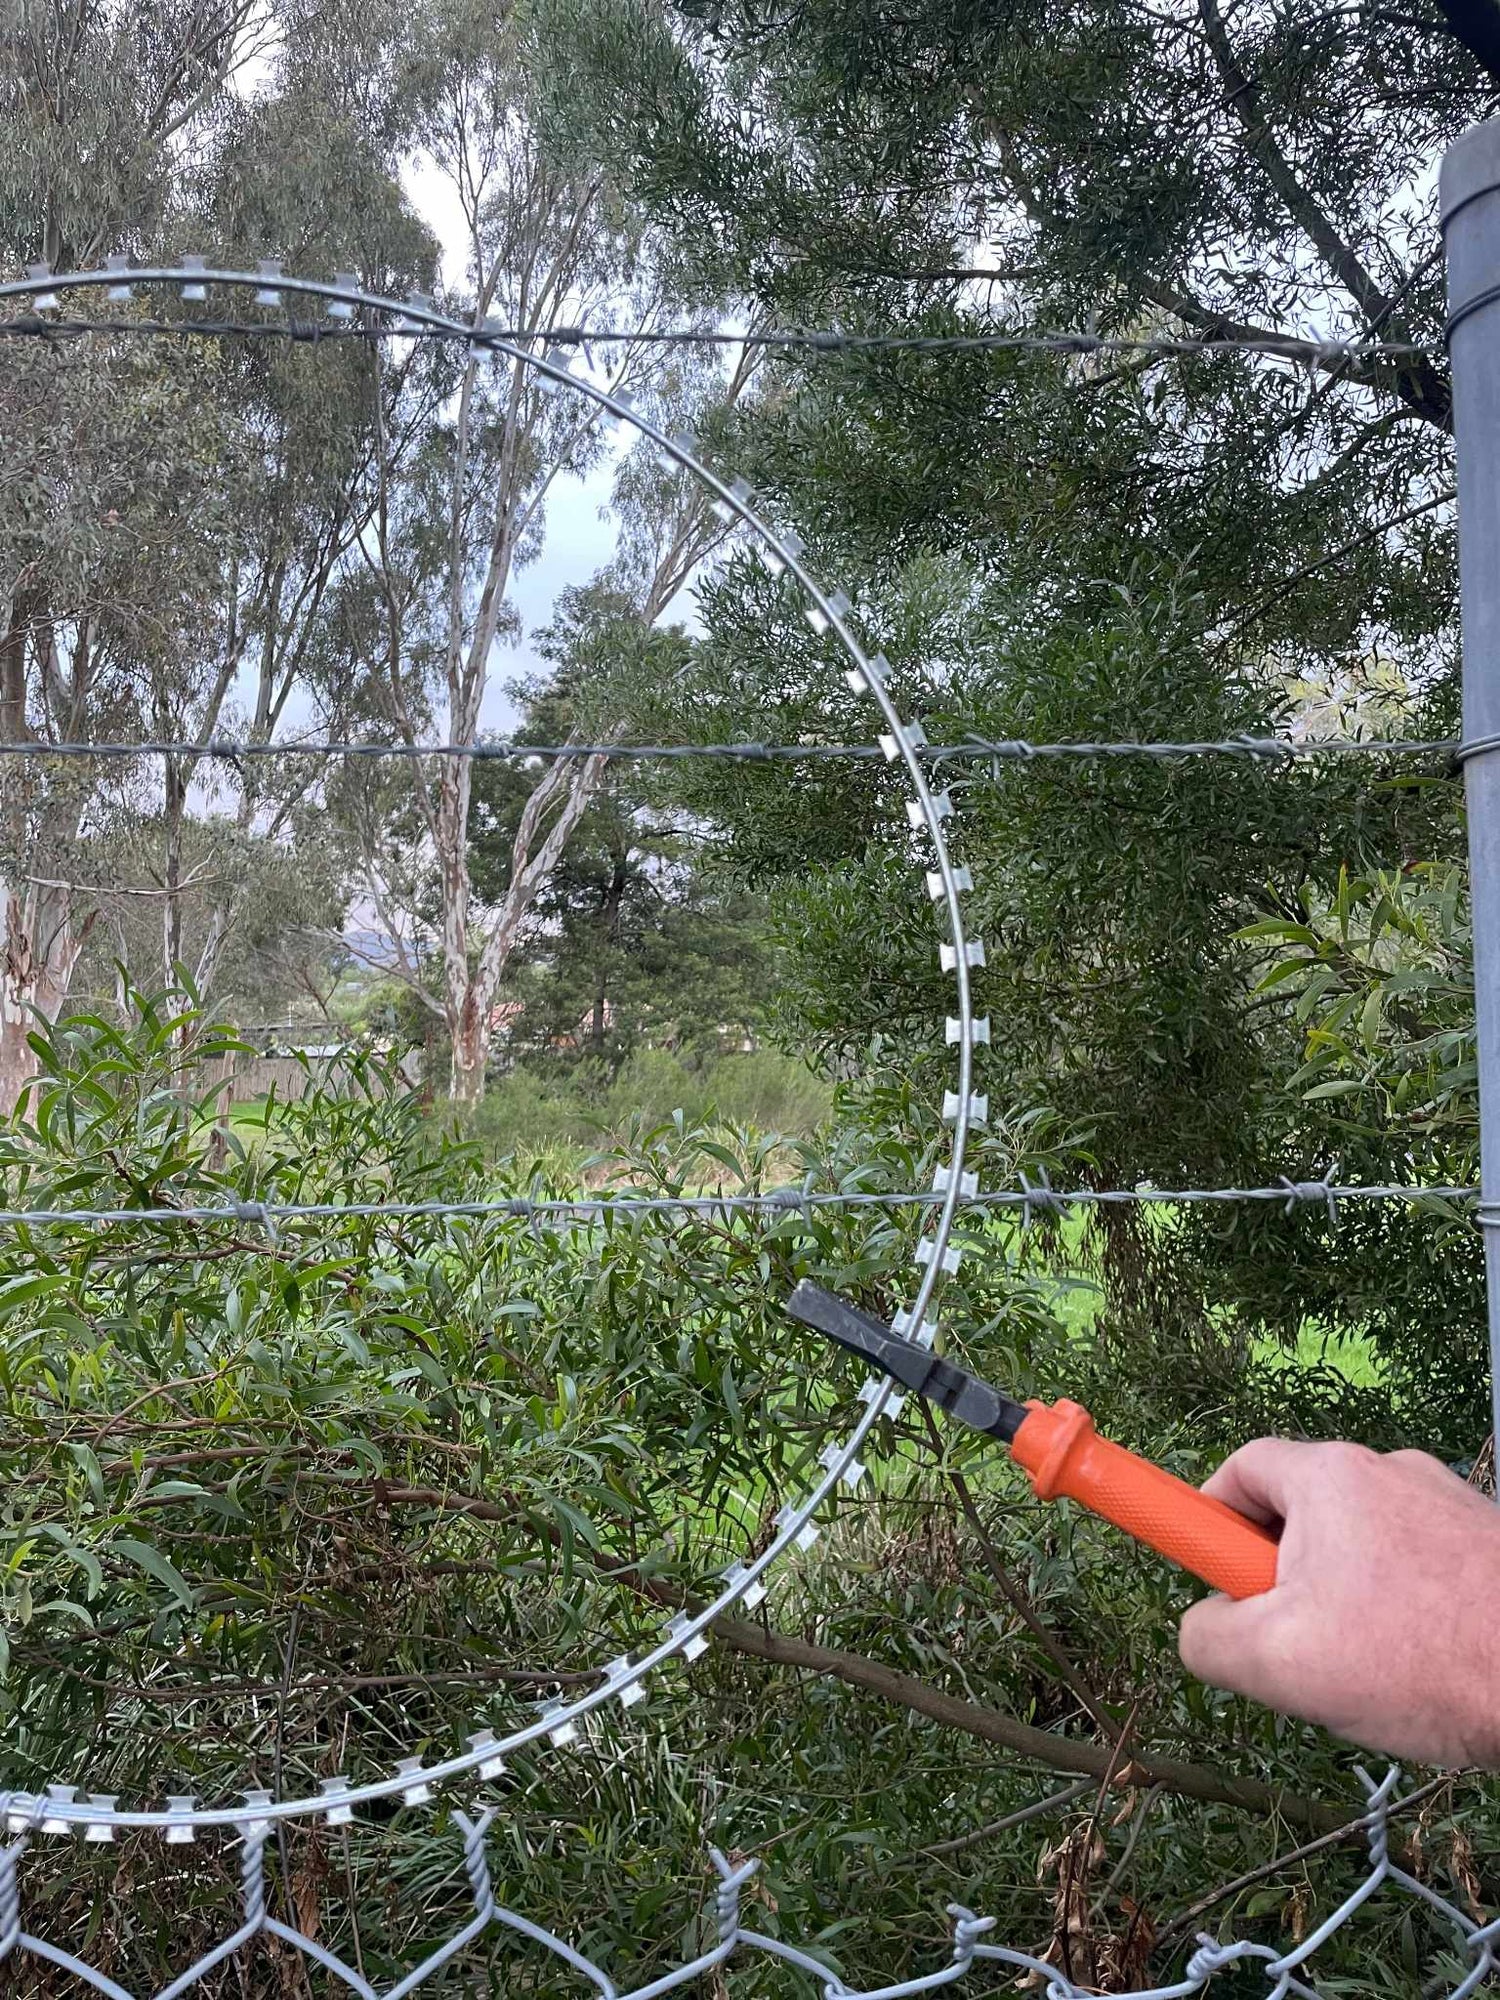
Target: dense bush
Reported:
point(279, 1504)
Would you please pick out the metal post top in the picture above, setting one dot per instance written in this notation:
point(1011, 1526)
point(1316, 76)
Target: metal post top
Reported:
point(1471, 167)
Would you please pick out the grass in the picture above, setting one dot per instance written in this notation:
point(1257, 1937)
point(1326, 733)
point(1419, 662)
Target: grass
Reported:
point(529, 1113)
point(1352, 1357)
point(1077, 1302)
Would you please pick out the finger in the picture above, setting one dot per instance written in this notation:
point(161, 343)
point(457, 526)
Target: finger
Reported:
point(1260, 1479)
point(1226, 1642)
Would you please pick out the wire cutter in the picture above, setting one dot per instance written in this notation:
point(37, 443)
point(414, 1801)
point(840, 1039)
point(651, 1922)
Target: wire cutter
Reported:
point(1064, 1455)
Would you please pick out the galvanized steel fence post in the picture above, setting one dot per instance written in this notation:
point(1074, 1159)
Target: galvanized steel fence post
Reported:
point(1469, 197)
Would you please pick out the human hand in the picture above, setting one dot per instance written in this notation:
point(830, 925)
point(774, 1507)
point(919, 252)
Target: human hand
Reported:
point(1384, 1624)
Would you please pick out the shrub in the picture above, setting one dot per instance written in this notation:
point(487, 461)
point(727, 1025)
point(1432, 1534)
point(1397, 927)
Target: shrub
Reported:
point(283, 1503)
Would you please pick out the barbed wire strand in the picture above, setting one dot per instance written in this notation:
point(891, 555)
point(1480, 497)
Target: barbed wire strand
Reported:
point(978, 749)
point(802, 340)
point(1034, 1200)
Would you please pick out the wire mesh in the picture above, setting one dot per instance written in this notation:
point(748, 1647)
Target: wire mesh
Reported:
point(972, 1950)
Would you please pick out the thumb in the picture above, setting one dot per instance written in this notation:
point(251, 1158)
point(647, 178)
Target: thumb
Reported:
point(1223, 1641)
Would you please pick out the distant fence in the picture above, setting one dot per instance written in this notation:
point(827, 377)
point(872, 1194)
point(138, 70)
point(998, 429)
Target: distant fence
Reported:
point(290, 1070)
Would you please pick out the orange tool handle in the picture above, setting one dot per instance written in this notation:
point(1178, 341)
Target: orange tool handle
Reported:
point(1064, 1454)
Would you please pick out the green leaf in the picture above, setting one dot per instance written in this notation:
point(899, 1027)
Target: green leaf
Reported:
point(155, 1564)
point(76, 1552)
point(84, 1456)
point(17, 1292)
point(1369, 1018)
point(1290, 968)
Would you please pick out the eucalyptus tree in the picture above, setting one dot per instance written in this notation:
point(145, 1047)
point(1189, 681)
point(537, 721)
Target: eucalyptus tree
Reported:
point(549, 241)
point(177, 508)
point(101, 107)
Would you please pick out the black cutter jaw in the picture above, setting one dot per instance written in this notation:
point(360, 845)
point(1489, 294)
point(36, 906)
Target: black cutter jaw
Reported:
point(953, 1389)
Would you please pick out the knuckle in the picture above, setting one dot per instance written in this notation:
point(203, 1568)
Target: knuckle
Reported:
point(1411, 1460)
point(1349, 1458)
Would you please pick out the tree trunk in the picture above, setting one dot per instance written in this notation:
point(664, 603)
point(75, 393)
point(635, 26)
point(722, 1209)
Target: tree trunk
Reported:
point(174, 805)
point(468, 1032)
point(39, 942)
point(609, 925)
point(471, 990)
point(600, 1014)
point(17, 993)
point(39, 948)
point(471, 1047)
point(213, 945)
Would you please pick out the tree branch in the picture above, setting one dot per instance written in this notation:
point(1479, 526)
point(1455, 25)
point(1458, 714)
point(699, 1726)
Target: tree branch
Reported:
point(1359, 541)
point(1416, 381)
point(1353, 1829)
point(1098, 1761)
point(1241, 98)
point(1055, 1803)
point(1420, 385)
point(1058, 1753)
point(1013, 1594)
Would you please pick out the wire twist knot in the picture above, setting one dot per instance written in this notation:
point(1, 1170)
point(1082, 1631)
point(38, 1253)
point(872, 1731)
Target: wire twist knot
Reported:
point(1377, 1819)
point(1267, 749)
point(1311, 1191)
point(1039, 1198)
point(727, 1895)
point(1211, 1957)
point(967, 1931)
point(476, 1861)
point(253, 1873)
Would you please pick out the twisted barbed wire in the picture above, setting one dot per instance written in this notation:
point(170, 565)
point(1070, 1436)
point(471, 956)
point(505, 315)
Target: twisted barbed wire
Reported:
point(1479, 1941)
point(976, 749)
point(1033, 1199)
point(1309, 350)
